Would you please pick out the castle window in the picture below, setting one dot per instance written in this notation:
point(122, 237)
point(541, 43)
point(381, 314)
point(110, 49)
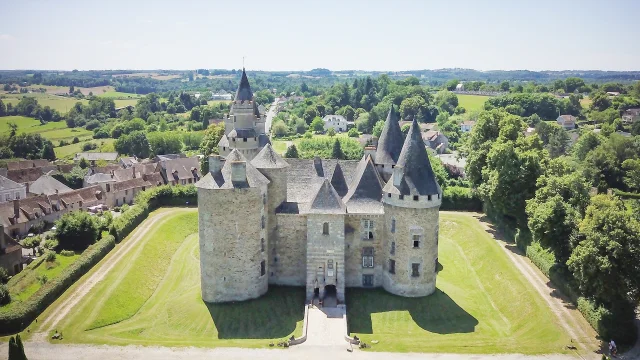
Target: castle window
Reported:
point(108, 189)
point(126, 192)
point(415, 270)
point(367, 224)
point(263, 268)
point(264, 199)
point(393, 225)
point(370, 235)
point(416, 197)
point(436, 270)
point(389, 195)
point(429, 197)
point(262, 221)
point(392, 266)
point(244, 139)
point(367, 280)
point(325, 228)
point(367, 257)
point(401, 197)
point(416, 241)
point(393, 248)
point(262, 245)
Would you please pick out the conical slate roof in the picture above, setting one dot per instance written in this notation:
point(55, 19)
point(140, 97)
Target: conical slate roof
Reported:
point(366, 189)
point(417, 175)
point(390, 142)
point(268, 159)
point(326, 200)
point(222, 180)
point(244, 89)
point(338, 181)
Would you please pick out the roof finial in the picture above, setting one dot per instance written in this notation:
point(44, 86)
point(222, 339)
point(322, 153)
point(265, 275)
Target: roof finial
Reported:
point(243, 63)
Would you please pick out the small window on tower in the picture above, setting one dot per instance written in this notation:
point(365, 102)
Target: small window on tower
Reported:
point(417, 197)
point(262, 245)
point(325, 228)
point(263, 268)
point(416, 241)
point(415, 270)
point(393, 225)
point(393, 248)
point(392, 266)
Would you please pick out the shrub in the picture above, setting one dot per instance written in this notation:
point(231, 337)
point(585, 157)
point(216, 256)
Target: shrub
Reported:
point(50, 256)
point(42, 279)
point(51, 244)
point(124, 208)
point(5, 297)
point(461, 199)
point(89, 146)
point(353, 132)
point(25, 312)
point(75, 140)
point(76, 230)
point(67, 253)
point(4, 275)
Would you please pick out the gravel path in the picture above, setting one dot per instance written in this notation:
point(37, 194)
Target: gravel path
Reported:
point(59, 311)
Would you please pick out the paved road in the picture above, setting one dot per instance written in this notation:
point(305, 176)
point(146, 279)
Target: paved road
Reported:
point(270, 115)
point(46, 351)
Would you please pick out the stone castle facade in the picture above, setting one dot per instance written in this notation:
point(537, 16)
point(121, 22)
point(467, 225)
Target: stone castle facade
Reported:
point(323, 224)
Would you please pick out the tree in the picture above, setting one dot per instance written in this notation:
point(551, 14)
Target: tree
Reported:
point(572, 84)
point(331, 132)
point(134, 144)
point(209, 144)
point(32, 243)
point(310, 114)
point(165, 143)
point(71, 89)
point(47, 151)
point(600, 101)
point(413, 107)
point(336, 152)
point(5, 298)
point(632, 174)
point(585, 144)
point(3, 109)
point(405, 129)
point(317, 125)
point(292, 152)
point(377, 130)
point(605, 261)
point(76, 230)
point(447, 101)
point(504, 86)
point(353, 132)
point(279, 129)
point(451, 84)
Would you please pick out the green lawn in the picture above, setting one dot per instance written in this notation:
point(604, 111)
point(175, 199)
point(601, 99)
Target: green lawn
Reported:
point(24, 285)
point(482, 304)
point(279, 146)
point(60, 103)
point(472, 102)
point(68, 151)
point(54, 131)
point(120, 95)
point(152, 297)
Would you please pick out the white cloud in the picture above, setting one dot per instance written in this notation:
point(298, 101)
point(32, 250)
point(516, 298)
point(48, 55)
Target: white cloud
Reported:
point(6, 37)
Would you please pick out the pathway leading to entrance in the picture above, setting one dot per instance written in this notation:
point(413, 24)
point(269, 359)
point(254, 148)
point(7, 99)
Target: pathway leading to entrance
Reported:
point(326, 327)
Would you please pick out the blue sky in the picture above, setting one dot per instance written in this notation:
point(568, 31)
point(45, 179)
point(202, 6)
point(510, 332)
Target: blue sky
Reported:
point(301, 35)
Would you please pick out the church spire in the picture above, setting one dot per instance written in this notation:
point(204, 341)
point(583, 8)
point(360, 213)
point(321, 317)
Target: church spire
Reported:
point(244, 89)
point(390, 142)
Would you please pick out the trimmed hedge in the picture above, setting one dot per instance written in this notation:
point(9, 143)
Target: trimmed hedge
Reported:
point(625, 195)
point(148, 201)
point(25, 312)
point(460, 199)
point(614, 323)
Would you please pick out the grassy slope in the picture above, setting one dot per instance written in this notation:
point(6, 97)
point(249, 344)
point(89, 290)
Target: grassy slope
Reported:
point(172, 312)
point(27, 284)
point(118, 94)
point(472, 102)
point(70, 150)
point(482, 304)
point(54, 131)
point(60, 103)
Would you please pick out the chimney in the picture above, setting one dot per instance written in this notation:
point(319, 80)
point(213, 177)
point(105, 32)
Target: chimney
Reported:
point(16, 209)
point(214, 164)
point(3, 241)
point(238, 171)
point(370, 150)
point(397, 175)
point(27, 185)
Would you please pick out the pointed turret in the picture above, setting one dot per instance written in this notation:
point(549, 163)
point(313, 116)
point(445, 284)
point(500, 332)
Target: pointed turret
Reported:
point(390, 142)
point(338, 181)
point(244, 89)
point(326, 200)
point(365, 190)
point(413, 174)
point(267, 158)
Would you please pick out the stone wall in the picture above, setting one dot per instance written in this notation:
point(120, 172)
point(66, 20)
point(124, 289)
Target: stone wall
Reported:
point(356, 238)
point(410, 222)
point(230, 229)
point(288, 251)
point(325, 249)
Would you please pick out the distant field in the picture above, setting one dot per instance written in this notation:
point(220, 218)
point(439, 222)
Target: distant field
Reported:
point(118, 94)
point(151, 75)
point(54, 131)
point(215, 102)
point(585, 102)
point(68, 151)
point(60, 103)
point(472, 102)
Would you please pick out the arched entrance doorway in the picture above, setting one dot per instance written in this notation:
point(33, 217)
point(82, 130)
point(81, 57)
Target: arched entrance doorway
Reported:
point(330, 296)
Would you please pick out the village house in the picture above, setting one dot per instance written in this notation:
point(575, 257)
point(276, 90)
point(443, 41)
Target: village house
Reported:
point(10, 253)
point(467, 126)
point(221, 95)
point(11, 190)
point(92, 157)
point(568, 122)
point(630, 116)
point(47, 185)
point(26, 164)
point(435, 140)
point(336, 122)
point(180, 171)
point(124, 192)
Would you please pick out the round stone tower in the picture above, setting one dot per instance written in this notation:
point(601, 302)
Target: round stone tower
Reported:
point(232, 228)
point(411, 200)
